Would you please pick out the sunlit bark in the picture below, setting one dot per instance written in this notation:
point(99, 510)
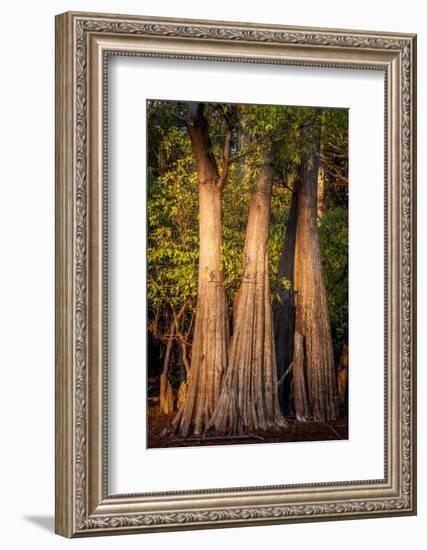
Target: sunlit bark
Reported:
point(299, 380)
point(210, 339)
point(312, 318)
point(249, 395)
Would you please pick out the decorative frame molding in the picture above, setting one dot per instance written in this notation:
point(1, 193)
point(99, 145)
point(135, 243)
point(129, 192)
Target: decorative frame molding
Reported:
point(83, 43)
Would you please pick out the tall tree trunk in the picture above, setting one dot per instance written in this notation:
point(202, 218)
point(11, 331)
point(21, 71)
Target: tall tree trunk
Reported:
point(312, 318)
point(249, 395)
point(284, 306)
point(210, 339)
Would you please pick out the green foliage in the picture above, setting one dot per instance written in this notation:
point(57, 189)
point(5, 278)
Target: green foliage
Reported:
point(280, 204)
point(286, 283)
point(172, 205)
point(173, 238)
point(333, 233)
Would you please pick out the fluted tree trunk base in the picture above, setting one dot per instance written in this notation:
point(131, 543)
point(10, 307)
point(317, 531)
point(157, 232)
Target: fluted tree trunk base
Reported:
point(249, 394)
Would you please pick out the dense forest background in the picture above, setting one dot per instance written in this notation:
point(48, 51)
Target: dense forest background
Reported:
point(174, 233)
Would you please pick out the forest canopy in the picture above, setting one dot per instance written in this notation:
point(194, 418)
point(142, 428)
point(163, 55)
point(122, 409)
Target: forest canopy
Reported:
point(258, 157)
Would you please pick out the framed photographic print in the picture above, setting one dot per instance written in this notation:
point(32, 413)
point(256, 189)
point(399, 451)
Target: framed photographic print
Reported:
point(235, 274)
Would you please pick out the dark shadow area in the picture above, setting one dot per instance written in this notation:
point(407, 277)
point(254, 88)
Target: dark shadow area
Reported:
point(44, 522)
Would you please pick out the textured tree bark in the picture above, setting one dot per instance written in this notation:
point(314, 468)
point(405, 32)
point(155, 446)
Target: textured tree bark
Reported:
point(312, 318)
point(284, 307)
point(210, 338)
point(249, 395)
point(343, 376)
point(299, 381)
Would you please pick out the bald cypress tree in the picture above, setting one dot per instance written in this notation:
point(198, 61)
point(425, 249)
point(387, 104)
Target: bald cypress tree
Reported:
point(311, 310)
point(210, 339)
point(249, 395)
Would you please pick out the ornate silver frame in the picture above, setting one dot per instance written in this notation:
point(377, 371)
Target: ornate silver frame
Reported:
point(83, 42)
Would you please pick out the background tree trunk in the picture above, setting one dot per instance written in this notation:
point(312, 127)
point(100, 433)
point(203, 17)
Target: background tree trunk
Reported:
point(184, 364)
point(166, 394)
point(284, 307)
point(249, 395)
point(312, 319)
point(210, 339)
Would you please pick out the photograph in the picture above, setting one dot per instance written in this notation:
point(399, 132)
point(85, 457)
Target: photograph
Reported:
point(247, 273)
point(235, 271)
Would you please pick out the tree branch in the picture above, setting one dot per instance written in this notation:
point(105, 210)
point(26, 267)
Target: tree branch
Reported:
point(181, 117)
point(282, 378)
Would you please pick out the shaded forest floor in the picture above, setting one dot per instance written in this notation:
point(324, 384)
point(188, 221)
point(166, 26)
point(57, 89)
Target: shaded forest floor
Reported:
point(158, 437)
